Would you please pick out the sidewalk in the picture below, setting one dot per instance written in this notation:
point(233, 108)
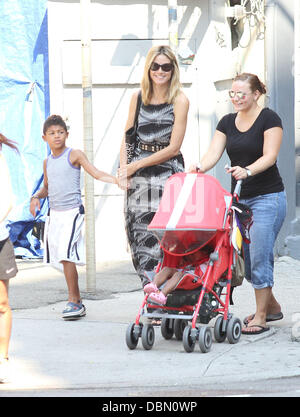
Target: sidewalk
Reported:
point(89, 357)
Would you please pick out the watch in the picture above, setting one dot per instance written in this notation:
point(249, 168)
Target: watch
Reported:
point(198, 167)
point(249, 173)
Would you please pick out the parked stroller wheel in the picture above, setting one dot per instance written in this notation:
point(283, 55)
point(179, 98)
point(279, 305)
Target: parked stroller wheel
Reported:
point(131, 336)
point(219, 335)
point(179, 326)
point(148, 336)
point(188, 340)
point(167, 328)
point(234, 330)
point(205, 339)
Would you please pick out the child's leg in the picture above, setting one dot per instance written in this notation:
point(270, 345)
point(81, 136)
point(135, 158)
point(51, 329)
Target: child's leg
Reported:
point(71, 276)
point(5, 319)
point(172, 282)
point(164, 275)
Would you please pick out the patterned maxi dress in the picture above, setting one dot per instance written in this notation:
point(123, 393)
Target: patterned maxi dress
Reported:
point(155, 124)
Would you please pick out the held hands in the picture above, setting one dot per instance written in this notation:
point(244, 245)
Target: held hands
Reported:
point(128, 170)
point(122, 178)
point(124, 173)
point(124, 183)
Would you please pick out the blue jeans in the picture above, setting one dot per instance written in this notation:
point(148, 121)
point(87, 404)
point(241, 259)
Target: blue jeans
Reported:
point(269, 212)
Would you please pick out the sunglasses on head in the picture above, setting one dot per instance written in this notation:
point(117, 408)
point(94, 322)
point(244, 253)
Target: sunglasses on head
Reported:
point(239, 94)
point(165, 67)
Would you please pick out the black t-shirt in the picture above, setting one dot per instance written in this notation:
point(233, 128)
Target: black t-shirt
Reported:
point(244, 148)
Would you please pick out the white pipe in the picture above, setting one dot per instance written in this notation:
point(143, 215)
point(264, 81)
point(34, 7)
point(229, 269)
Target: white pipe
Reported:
point(88, 146)
point(173, 25)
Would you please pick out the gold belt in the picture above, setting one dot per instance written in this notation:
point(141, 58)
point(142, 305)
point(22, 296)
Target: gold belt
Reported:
point(151, 148)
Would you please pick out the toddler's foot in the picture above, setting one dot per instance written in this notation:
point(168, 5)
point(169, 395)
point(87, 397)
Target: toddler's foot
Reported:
point(149, 288)
point(158, 297)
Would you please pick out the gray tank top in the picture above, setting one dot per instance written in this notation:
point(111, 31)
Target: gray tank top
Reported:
point(63, 182)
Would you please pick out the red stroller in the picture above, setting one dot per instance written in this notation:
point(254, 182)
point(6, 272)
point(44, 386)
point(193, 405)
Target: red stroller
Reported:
point(195, 219)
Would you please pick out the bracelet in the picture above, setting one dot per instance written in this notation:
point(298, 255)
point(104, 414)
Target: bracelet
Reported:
point(34, 196)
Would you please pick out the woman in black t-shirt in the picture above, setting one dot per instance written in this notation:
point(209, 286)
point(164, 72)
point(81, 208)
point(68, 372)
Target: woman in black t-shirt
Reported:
point(252, 138)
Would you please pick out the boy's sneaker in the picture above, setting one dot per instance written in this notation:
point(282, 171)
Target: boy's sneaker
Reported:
point(4, 370)
point(73, 311)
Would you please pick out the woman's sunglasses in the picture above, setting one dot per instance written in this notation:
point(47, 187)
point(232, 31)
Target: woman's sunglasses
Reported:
point(240, 95)
point(165, 67)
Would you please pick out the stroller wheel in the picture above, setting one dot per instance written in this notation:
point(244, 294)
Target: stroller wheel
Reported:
point(205, 339)
point(188, 340)
point(167, 328)
point(234, 330)
point(179, 326)
point(132, 336)
point(148, 336)
point(220, 336)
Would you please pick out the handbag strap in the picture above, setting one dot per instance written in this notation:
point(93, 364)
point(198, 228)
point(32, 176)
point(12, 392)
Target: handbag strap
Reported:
point(138, 106)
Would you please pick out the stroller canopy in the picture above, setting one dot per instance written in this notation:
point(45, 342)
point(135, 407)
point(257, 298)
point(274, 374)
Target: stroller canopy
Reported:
point(192, 209)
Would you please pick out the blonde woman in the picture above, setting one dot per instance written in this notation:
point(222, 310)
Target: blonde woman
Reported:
point(8, 268)
point(161, 128)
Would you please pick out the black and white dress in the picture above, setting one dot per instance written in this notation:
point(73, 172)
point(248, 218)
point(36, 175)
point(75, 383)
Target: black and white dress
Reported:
point(155, 124)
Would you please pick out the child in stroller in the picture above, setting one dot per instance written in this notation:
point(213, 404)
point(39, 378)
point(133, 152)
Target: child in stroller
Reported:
point(171, 277)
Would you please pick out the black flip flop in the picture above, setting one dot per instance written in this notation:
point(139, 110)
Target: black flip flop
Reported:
point(262, 330)
point(270, 317)
point(274, 317)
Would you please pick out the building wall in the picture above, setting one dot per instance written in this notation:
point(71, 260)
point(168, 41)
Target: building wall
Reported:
point(122, 32)
point(296, 72)
point(280, 82)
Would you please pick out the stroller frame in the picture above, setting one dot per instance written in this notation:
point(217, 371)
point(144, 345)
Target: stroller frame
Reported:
point(214, 289)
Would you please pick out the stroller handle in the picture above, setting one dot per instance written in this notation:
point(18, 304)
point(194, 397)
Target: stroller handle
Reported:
point(237, 188)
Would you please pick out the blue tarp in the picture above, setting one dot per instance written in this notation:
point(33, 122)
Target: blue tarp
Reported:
point(24, 105)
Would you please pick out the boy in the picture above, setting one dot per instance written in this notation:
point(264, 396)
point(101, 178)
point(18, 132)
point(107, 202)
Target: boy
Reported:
point(63, 238)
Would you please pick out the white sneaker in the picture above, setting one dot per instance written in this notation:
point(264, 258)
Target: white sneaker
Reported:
point(73, 311)
point(4, 370)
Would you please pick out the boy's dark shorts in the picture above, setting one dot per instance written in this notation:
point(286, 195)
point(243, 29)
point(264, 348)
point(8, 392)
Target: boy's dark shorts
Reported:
point(8, 267)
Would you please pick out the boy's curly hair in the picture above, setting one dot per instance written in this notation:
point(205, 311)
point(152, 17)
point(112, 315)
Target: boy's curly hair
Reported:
point(54, 120)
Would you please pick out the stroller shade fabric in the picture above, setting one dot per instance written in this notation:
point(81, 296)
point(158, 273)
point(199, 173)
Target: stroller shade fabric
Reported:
point(191, 211)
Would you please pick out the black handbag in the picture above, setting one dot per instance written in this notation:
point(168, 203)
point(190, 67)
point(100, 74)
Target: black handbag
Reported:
point(130, 134)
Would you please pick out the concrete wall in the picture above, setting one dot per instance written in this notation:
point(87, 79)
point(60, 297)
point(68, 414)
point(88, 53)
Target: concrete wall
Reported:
point(122, 32)
point(297, 96)
point(280, 82)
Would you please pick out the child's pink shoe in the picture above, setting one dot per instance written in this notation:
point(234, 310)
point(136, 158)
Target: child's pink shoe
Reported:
point(158, 297)
point(149, 288)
